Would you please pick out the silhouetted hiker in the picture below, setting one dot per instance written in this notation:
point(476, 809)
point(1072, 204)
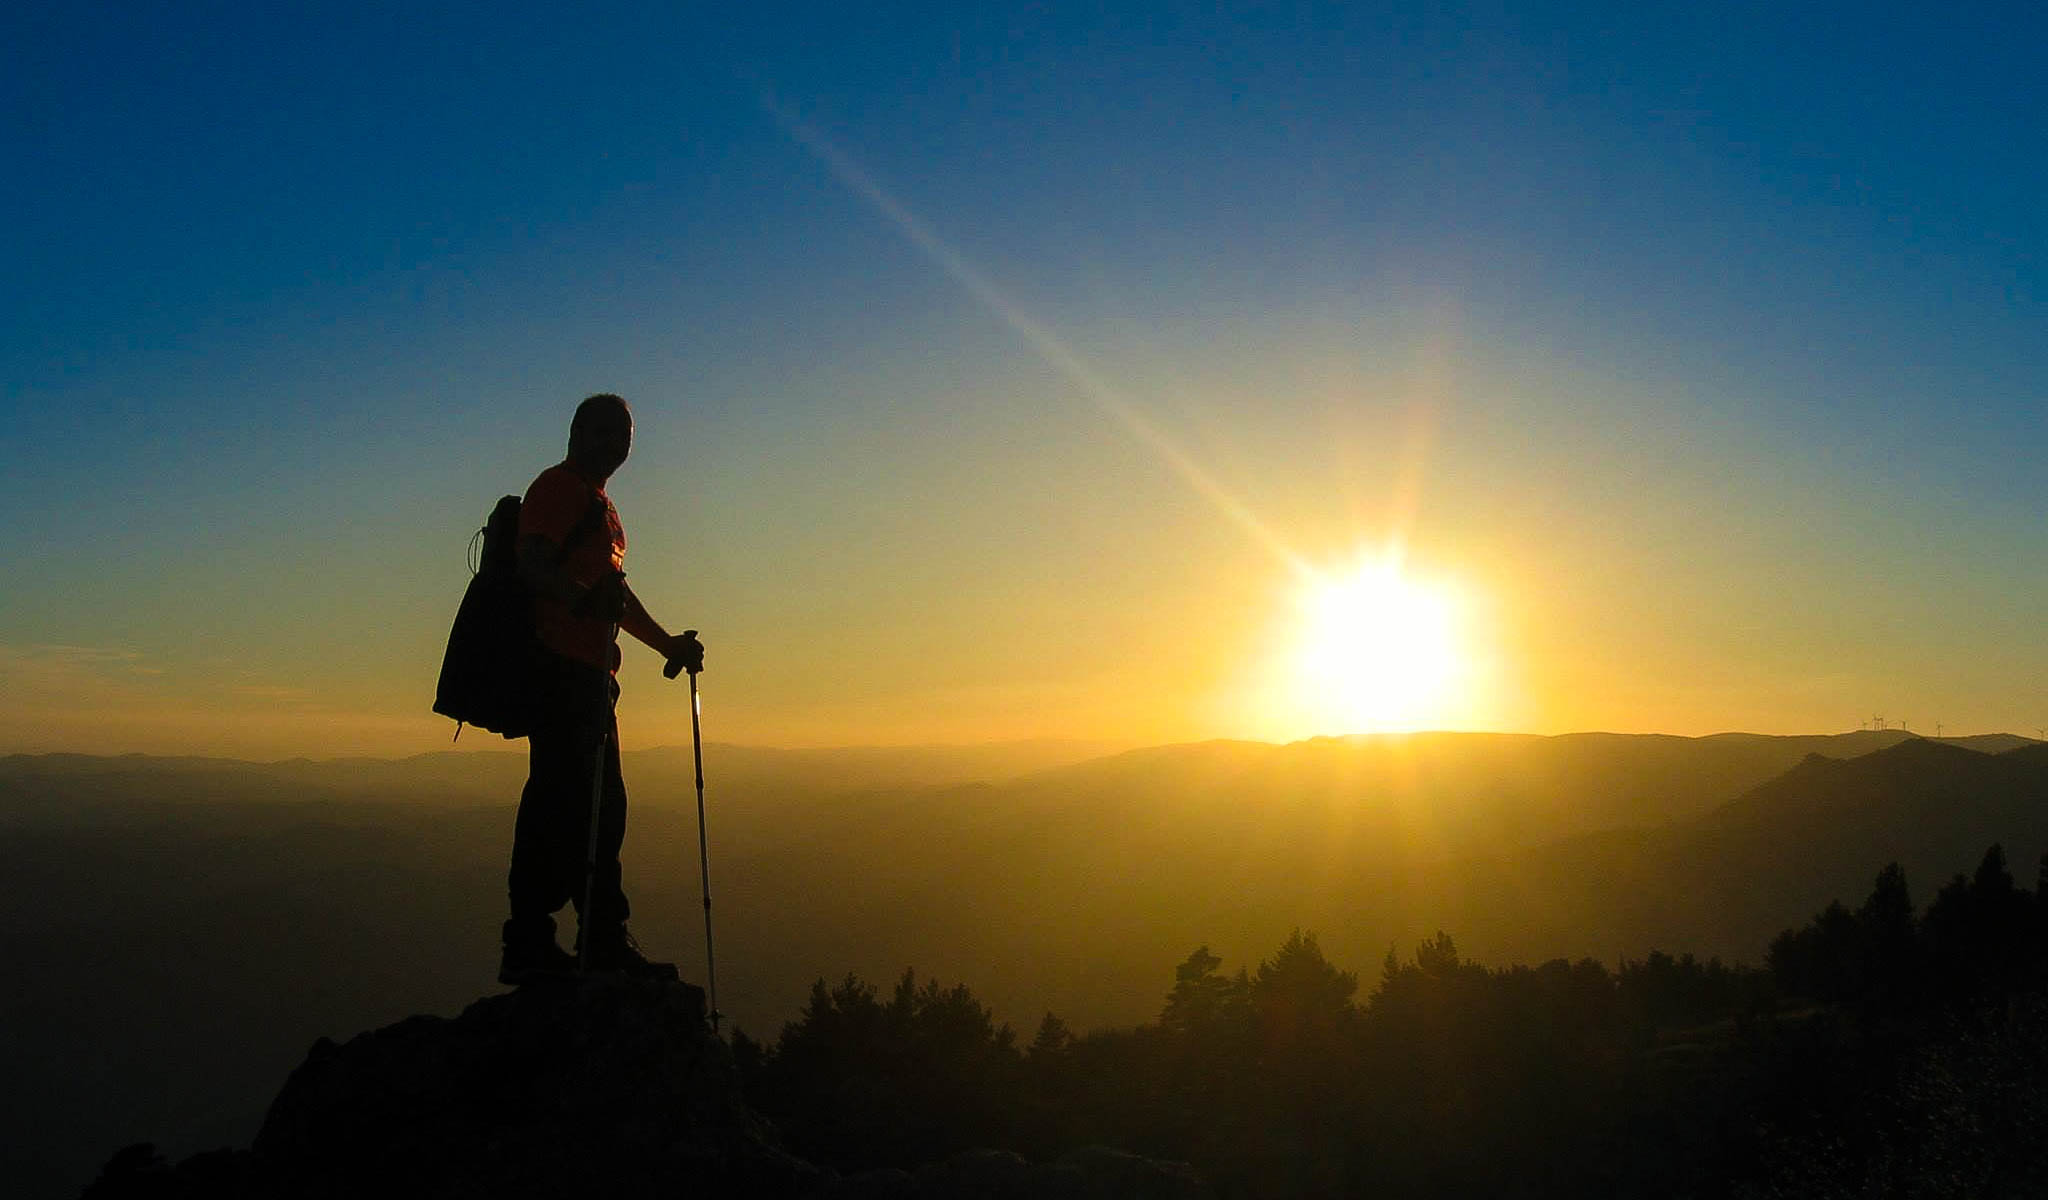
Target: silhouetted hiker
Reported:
point(572, 548)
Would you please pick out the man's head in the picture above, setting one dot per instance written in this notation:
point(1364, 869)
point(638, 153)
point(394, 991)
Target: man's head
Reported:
point(601, 435)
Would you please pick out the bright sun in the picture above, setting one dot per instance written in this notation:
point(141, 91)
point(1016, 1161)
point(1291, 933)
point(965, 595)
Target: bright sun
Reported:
point(1380, 651)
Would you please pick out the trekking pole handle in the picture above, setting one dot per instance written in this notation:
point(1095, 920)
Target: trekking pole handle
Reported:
point(674, 666)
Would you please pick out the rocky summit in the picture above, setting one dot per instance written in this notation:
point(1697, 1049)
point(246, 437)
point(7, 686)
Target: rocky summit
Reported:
point(608, 1087)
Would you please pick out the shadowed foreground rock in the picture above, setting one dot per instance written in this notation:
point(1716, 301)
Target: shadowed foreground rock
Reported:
point(1091, 1174)
point(614, 1088)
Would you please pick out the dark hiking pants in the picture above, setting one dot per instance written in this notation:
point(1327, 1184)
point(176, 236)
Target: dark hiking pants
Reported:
point(551, 836)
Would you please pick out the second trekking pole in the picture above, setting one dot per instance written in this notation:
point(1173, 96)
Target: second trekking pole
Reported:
point(604, 735)
point(703, 843)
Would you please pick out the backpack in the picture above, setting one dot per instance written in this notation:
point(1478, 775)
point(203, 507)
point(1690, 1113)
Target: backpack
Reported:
point(490, 675)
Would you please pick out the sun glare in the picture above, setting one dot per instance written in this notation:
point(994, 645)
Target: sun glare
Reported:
point(1380, 651)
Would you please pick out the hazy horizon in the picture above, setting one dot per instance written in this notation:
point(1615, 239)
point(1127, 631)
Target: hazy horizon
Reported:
point(478, 742)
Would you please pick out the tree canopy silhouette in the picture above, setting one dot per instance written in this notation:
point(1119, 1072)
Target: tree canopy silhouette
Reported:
point(1453, 1078)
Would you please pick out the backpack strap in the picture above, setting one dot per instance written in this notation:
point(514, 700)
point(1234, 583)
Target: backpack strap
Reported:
point(584, 527)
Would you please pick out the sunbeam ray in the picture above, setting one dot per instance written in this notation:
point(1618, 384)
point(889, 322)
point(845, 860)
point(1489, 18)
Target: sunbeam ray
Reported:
point(1043, 340)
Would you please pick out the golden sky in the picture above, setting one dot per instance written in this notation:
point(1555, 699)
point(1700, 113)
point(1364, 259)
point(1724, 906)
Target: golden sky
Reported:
point(1004, 379)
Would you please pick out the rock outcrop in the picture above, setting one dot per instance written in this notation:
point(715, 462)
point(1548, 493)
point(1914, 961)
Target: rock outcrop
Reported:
point(608, 1087)
point(613, 1088)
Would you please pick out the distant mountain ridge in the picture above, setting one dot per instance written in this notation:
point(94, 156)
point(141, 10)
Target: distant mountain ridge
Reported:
point(1516, 787)
point(1507, 788)
point(1778, 852)
point(44, 785)
point(1902, 781)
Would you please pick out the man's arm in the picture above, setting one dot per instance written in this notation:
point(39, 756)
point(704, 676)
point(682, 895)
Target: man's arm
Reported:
point(641, 624)
point(637, 621)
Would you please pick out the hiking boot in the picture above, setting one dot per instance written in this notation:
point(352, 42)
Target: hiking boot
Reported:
point(531, 955)
point(613, 951)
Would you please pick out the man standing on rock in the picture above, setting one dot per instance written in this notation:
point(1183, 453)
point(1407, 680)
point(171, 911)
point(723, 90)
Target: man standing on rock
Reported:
point(572, 551)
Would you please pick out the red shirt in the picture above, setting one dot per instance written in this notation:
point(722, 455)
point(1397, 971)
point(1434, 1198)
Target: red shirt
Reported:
point(559, 500)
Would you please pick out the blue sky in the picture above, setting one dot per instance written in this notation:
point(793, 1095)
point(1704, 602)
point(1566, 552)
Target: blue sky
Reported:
point(1714, 337)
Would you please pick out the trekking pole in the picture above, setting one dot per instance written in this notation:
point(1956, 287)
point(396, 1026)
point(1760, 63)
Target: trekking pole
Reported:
point(703, 843)
point(596, 811)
